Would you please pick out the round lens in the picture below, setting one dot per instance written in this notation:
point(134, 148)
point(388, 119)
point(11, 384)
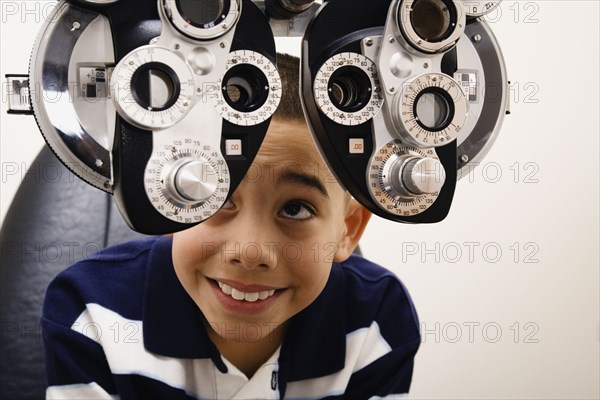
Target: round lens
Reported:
point(203, 13)
point(434, 109)
point(431, 19)
point(349, 89)
point(245, 88)
point(155, 86)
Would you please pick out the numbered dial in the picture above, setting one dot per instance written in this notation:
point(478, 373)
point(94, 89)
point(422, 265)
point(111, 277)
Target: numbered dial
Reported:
point(152, 87)
point(347, 89)
point(430, 111)
point(404, 180)
point(479, 8)
point(187, 181)
point(250, 90)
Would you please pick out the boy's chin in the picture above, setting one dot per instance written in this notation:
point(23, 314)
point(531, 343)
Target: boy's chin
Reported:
point(244, 332)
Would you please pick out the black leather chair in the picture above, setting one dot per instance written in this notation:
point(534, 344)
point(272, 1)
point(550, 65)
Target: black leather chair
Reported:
point(54, 220)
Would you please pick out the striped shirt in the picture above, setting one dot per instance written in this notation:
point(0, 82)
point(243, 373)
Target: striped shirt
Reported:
point(119, 325)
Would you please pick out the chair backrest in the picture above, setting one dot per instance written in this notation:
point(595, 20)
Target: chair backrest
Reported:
point(54, 220)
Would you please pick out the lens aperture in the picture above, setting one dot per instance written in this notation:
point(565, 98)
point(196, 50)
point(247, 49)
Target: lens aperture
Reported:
point(431, 26)
point(203, 13)
point(155, 86)
point(431, 19)
point(433, 109)
point(245, 88)
point(349, 89)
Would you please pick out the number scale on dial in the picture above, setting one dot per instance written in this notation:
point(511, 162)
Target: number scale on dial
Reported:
point(379, 178)
point(161, 186)
point(408, 123)
point(123, 92)
point(322, 89)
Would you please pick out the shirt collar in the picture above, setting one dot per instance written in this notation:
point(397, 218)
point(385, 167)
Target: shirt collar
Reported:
point(314, 344)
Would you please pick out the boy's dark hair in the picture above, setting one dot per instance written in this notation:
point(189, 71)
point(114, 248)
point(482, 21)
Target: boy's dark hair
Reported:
point(290, 107)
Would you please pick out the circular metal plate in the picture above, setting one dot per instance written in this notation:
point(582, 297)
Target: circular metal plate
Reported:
point(273, 87)
point(321, 89)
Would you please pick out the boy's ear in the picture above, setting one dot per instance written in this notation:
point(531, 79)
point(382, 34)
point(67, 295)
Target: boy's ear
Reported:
point(355, 222)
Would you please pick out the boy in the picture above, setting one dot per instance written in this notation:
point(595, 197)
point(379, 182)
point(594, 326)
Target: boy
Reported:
point(263, 300)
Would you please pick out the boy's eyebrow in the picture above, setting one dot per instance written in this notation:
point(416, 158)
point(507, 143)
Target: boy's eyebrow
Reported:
point(304, 179)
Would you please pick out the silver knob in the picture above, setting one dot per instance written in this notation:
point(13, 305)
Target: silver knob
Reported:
point(423, 175)
point(196, 180)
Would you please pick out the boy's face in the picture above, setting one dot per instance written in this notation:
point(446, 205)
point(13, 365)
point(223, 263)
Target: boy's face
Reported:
point(267, 253)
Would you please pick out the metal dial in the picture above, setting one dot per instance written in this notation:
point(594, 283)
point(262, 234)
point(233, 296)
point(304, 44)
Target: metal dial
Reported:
point(134, 94)
point(187, 181)
point(430, 111)
point(347, 89)
point(404, 180)
point(250, 89)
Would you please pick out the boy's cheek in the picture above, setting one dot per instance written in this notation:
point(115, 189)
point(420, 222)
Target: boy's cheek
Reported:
point(207, 250)
point(191, 248)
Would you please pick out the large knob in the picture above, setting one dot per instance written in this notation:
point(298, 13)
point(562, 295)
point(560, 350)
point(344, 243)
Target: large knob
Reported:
point(196, 180)
point(186, 180)
point(415, 176)
point(423, 176)
point(405, 180)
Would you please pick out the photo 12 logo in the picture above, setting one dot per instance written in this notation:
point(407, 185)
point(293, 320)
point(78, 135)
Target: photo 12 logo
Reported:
point(470, 252)
point(472, 332)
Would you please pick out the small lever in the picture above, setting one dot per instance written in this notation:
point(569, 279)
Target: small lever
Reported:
point(17, 93)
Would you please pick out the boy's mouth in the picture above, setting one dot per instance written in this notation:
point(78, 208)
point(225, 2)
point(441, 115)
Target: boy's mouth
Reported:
point(237, 294)
point(246, 296)
point(243, 299)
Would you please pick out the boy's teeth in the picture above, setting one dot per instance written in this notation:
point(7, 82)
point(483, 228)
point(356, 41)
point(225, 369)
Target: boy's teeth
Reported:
point(249, 297)
point(236, 294)
point(263, 295)
point(225, 288)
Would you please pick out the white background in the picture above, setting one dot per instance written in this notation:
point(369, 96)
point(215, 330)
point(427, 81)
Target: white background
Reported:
point(522, 323)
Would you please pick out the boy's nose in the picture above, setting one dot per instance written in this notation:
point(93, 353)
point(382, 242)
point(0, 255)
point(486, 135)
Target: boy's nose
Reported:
point(251, 246)
point(252, 255)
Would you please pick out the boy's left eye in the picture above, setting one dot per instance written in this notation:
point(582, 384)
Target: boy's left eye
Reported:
point(297, 210)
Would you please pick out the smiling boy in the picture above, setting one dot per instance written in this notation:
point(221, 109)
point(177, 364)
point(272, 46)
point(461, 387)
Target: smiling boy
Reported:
point(263, 300)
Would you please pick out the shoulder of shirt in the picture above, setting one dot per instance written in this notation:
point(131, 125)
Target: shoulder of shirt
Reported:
point(366, 271)
point(121, 252)
point(375, 294)
point(107, 278)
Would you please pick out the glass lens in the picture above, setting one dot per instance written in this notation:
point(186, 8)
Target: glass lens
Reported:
point(433, 111)
point(201, 12)
point(430, 19)
point(349, 89)
point(245, 88)
point(155, 86)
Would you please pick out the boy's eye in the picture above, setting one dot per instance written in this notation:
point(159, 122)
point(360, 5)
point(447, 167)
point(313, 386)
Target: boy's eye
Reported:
point(296, 210)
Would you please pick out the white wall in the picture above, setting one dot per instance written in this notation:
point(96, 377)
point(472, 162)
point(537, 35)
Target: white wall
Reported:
point(522, 324)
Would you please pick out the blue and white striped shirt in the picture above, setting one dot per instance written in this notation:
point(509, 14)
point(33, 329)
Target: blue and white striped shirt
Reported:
point(119, 325)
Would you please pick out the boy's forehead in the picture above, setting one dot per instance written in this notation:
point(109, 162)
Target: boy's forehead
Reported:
point(290, 144)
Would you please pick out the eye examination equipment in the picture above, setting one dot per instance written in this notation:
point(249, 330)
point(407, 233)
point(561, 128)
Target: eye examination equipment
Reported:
point(164, 104)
